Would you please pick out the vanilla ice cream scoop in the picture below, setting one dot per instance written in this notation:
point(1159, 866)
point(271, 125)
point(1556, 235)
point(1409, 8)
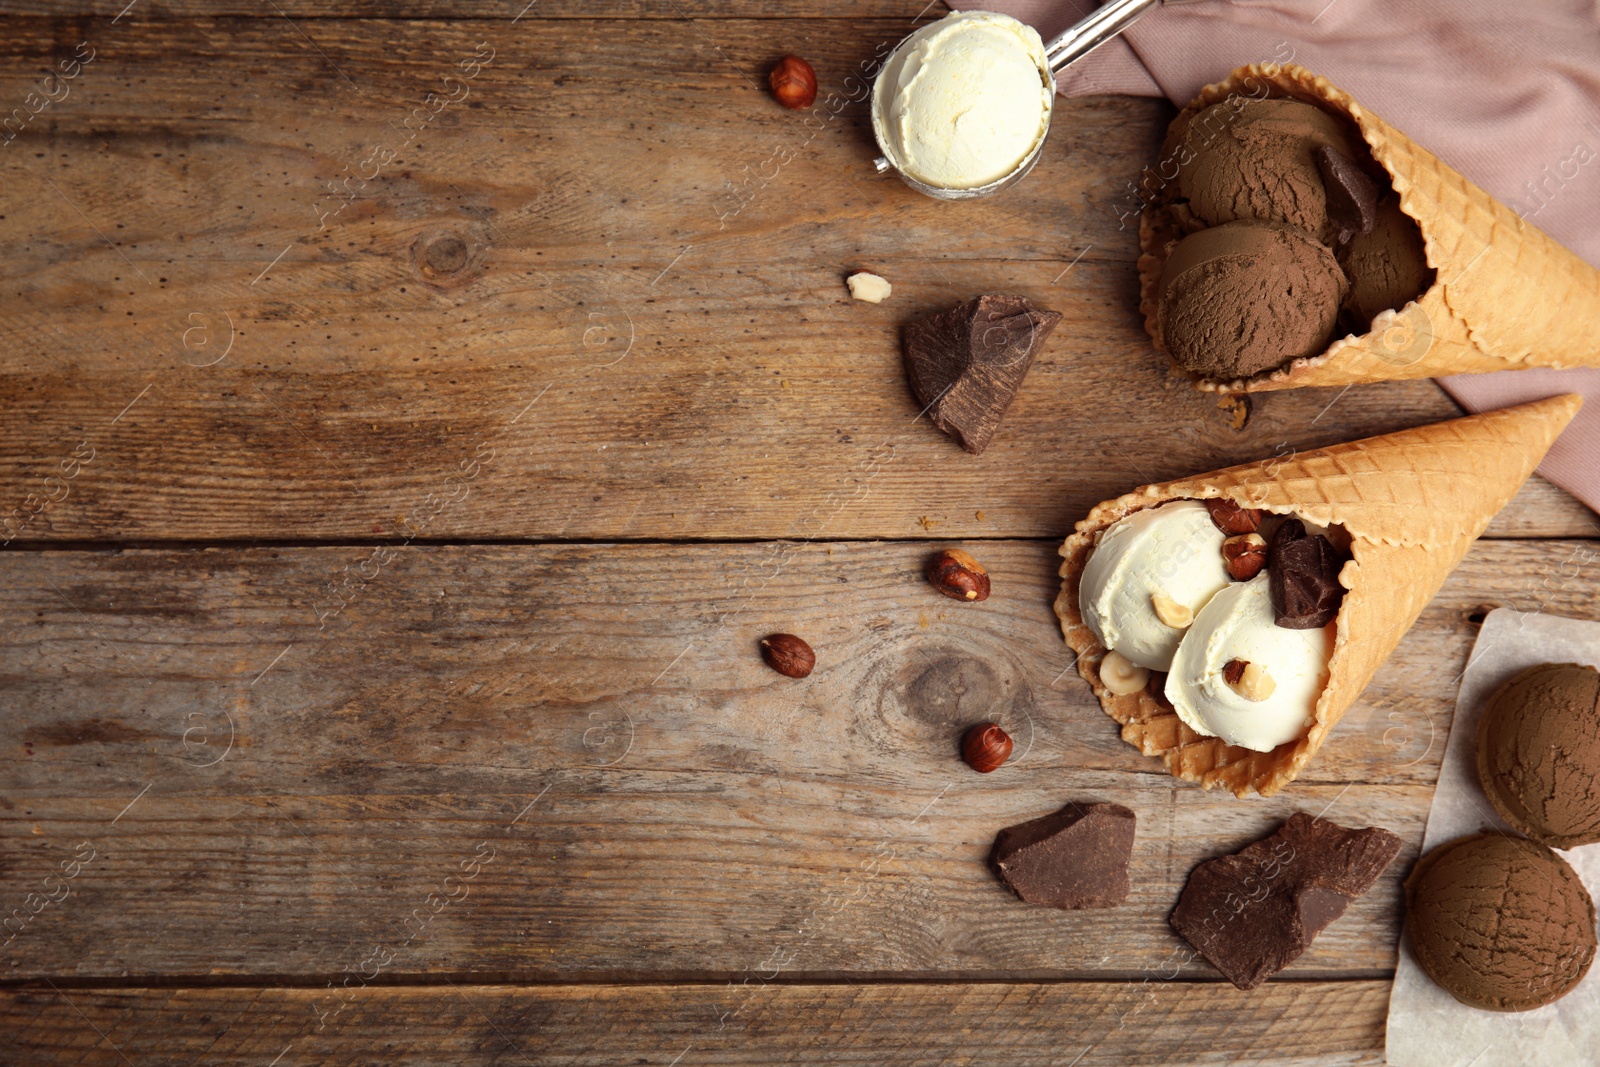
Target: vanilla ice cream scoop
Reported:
point(1240, 676)
point(1149, 577)
point(963, 101)
point(962, 106)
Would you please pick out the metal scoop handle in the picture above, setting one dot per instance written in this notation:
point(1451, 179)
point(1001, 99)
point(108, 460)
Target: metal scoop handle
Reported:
point(1096, 29)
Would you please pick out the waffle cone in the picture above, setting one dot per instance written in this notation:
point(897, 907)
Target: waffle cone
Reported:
point(1411, 503)
point(1505, 296)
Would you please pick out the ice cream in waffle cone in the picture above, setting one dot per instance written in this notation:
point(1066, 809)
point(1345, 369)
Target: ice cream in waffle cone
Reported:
point(1504, 294)
point(1411, 504)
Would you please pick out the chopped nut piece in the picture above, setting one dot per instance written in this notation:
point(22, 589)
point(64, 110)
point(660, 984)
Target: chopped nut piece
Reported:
point(1120, 676)
point(1245, 555)
point(1248, 680)
point(1232, 519)
point(1171, 612)
point(869, 287)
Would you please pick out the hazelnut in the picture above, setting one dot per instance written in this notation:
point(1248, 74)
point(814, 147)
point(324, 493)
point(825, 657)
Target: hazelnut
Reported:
point(1244, 555)
point(959, 576)
point(794, 83)
point(1232, 519)
point(985, 747)
point(1249, 680)
point(1120, 676)
point(1171, 612)
point(788, 655)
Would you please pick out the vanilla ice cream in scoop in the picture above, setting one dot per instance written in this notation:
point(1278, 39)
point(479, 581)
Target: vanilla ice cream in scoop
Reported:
point(1149, 576)
point(963, 101)
point(1240, 676)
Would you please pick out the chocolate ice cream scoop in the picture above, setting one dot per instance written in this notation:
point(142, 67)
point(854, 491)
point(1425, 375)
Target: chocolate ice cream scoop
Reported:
point(1245, 297)
point(1387, 266)
point(1539, 753)
point(1255, 159)
point(1500, 922)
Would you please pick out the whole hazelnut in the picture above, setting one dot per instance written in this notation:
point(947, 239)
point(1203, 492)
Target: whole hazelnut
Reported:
point(958, 576)
point(1232, 519)
point(1244, 555)
point(794, 83)
point(1121, 677)
point(788, 655)
point(985, 747)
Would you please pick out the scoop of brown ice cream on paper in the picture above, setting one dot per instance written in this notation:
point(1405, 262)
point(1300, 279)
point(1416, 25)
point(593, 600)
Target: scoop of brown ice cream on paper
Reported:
point(1243, 297)
point(1255, 159)
point(1539, 753)
point(1500, 922)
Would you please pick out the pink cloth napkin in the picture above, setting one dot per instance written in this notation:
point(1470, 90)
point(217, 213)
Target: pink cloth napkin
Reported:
point(1507, 93)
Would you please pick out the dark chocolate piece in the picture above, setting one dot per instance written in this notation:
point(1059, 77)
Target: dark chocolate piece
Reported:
point(1253, 913)
point(1352, 195)
point(1303, 572)
point(966, 364)
point(1074, 858)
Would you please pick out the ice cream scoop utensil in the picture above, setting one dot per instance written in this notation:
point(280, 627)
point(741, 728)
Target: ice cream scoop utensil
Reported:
point(1071, 44)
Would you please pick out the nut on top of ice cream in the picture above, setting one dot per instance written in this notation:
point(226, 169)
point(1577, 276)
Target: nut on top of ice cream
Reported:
point(1539, 753)
point(1499, 922)
point(963, 101)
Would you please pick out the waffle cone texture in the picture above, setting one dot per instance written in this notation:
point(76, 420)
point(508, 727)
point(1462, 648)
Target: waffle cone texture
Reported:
point(1411, 502)
point(1506, 296)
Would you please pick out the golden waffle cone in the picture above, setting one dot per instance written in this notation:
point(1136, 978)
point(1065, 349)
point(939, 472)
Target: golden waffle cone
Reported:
point(1411, 502)
point(1506, 296)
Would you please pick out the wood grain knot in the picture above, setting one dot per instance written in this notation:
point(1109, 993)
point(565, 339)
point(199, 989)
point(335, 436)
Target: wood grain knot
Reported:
point(443, 257)
point(926, 702)
point(954, 691)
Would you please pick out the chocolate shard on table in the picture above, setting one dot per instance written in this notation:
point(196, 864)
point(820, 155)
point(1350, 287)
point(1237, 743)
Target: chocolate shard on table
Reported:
point(1073, 858)
point(966, 364)
point(1253, 913)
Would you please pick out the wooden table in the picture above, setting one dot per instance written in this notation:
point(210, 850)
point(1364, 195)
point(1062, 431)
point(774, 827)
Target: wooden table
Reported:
point(399, 485)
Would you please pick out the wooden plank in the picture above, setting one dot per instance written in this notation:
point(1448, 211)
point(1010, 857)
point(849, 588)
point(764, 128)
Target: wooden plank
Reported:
point(467, 10)
point(1088, 1024)
point(649, 331)
point(305, 791)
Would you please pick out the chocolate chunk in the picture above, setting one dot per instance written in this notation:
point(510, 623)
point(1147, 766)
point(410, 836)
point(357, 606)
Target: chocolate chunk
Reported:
point(966, 364)
point(1303, 572)
point(1074, 858)
point(1253, 913)
point(1352, 195)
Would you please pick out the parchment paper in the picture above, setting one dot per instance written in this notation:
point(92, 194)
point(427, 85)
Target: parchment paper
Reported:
point(1427, 1026)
